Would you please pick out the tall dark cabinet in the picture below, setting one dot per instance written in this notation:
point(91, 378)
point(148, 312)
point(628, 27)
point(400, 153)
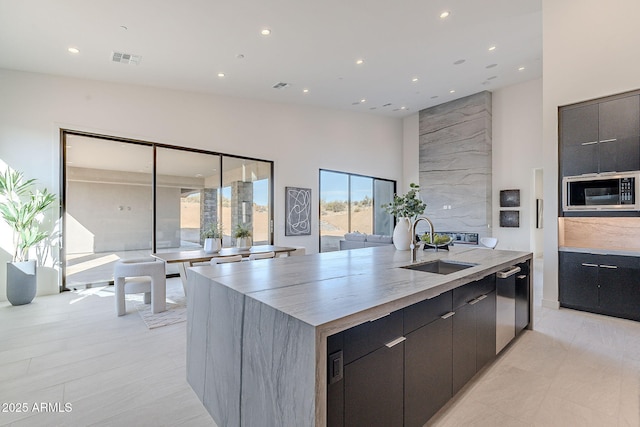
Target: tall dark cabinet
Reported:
point(600, 136)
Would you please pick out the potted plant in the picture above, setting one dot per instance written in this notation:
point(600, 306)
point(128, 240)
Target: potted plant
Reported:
point(212, 235)
point(242, 234)
point(22, 209)
point(405, 208)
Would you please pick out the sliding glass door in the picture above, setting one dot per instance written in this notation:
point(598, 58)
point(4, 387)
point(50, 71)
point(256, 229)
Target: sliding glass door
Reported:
point(126, 199)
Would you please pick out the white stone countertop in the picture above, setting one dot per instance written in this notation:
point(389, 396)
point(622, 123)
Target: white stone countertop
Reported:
point(600, 251)
point(337, 290)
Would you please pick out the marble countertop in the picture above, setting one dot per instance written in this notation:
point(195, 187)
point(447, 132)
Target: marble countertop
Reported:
point(337, 290)
point(598, 251)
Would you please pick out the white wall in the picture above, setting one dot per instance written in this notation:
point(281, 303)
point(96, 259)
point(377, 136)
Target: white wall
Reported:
point(516, 152)
point(589, 50)
point(300, 140)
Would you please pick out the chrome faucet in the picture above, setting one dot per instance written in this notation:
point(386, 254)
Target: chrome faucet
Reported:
point(413, 247)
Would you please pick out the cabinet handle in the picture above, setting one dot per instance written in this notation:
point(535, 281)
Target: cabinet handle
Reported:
point(522, 276)
point(395, 342)
point(449, 314)
point(481, 297)
point(589, 143)
point(586, 264)
point(379, 317)
point(609, 140)
point(474, 301)
point(608, 266)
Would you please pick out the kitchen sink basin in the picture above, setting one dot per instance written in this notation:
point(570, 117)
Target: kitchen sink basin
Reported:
point(439, 266)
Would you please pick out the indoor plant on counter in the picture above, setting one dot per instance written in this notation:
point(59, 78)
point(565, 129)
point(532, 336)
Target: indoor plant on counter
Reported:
point(405, 208)
point(212, 238)
point(242, 233)
point(22, 208)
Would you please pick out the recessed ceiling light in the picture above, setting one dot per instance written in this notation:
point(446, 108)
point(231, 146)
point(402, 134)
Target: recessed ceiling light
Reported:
point(73, 50)
point(445, 14)
point(434, 96)
point(415, 79)
point(492, 48)
point(403, 108)
point(491, 65)
point(305, 90)
point(265, 32)
point(521, 69)
point(459, 61)
point(359, 61)
point(363, 100)
point(124, 27)
point(240, 56)
point(220, 75)
point(452, 91)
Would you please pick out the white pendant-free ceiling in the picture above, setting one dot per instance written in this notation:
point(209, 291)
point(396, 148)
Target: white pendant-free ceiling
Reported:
point(373, 56)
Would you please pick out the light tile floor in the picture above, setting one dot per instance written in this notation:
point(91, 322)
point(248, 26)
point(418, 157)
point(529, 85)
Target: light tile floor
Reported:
point(574, 369)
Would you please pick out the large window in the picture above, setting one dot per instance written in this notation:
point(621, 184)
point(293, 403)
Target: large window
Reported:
point(352, 203)
point(126, 199)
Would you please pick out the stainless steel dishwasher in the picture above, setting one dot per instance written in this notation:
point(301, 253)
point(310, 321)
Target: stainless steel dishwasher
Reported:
point(505, 306)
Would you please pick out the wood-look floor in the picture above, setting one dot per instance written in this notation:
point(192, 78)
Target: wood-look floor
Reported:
point(574, 369)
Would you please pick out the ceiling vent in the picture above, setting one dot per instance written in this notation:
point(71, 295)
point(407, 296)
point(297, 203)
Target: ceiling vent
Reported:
point(126, 58)
point(281, 85)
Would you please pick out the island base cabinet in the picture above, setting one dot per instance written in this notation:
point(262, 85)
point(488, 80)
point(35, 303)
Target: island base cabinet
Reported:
point(373, 389)
point(464, 346)
point(428, 371)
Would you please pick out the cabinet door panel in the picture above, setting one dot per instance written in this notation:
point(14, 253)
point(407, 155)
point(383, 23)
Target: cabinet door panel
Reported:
point(485, 330)
point(374, 389)
point(578, 280)
point(464, 346)
point(579, 140)
point(428, 371)
point(619, 125)
point(620, 286)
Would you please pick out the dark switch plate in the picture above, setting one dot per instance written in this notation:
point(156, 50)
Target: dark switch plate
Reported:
point(335, 367)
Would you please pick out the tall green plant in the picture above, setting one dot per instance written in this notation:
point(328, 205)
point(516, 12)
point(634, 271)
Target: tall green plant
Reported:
point(22, 208)
point(407, 205)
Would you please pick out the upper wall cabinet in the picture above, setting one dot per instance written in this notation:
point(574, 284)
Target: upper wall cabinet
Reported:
point(600, 136)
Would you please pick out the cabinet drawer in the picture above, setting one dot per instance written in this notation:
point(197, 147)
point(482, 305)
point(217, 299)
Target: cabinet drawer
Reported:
point(619, 261)
point(425, 312)
point(466, 293)
point(364, 339)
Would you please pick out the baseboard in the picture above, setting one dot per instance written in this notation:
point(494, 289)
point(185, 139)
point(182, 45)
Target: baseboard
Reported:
point(551, 304)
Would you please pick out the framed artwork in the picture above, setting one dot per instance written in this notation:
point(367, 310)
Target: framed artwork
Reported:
point(509, 198)
point(298, 211)
point(509, 218)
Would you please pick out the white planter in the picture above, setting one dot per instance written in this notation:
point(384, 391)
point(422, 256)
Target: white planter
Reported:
point(243, 242)
point(212, 245)
point(402, 234)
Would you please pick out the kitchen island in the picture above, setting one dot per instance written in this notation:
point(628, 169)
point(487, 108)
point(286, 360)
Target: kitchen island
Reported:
point(257, 331)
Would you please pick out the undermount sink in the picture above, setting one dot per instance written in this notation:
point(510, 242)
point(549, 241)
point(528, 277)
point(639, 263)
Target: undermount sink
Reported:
point(439, 266)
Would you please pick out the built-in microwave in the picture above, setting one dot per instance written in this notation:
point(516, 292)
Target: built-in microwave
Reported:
point(614, 191)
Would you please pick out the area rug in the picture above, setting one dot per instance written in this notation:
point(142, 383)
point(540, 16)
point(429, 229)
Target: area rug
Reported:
point(176, 312)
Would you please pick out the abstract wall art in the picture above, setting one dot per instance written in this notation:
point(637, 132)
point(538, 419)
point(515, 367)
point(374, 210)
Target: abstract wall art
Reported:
point(298, 211)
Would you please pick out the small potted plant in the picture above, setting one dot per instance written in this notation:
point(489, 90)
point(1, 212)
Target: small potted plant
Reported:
point(405, 208)
point(242, 234)
point(22, 209)
point(212, 235)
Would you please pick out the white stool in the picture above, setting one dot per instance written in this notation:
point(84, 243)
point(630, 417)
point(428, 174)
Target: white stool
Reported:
point(138, 275)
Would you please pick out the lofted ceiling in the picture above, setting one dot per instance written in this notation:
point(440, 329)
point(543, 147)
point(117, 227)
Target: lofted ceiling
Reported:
point(412, 58)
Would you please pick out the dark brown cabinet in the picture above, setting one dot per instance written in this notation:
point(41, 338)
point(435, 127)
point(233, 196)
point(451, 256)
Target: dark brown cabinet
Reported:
point(600, 136)
point(428, 361)
point(399, 370)
point(606, 284)
point(474, 329)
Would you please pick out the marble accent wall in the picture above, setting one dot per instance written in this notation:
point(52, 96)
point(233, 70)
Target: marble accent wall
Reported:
point(455, 164)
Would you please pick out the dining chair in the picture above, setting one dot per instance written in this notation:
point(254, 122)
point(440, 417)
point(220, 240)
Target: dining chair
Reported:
point(225, 259)
point(140, 275)
point(263, 255)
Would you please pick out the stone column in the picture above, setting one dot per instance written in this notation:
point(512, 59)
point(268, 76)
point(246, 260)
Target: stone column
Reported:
point(208, 208)
point(241, 205)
